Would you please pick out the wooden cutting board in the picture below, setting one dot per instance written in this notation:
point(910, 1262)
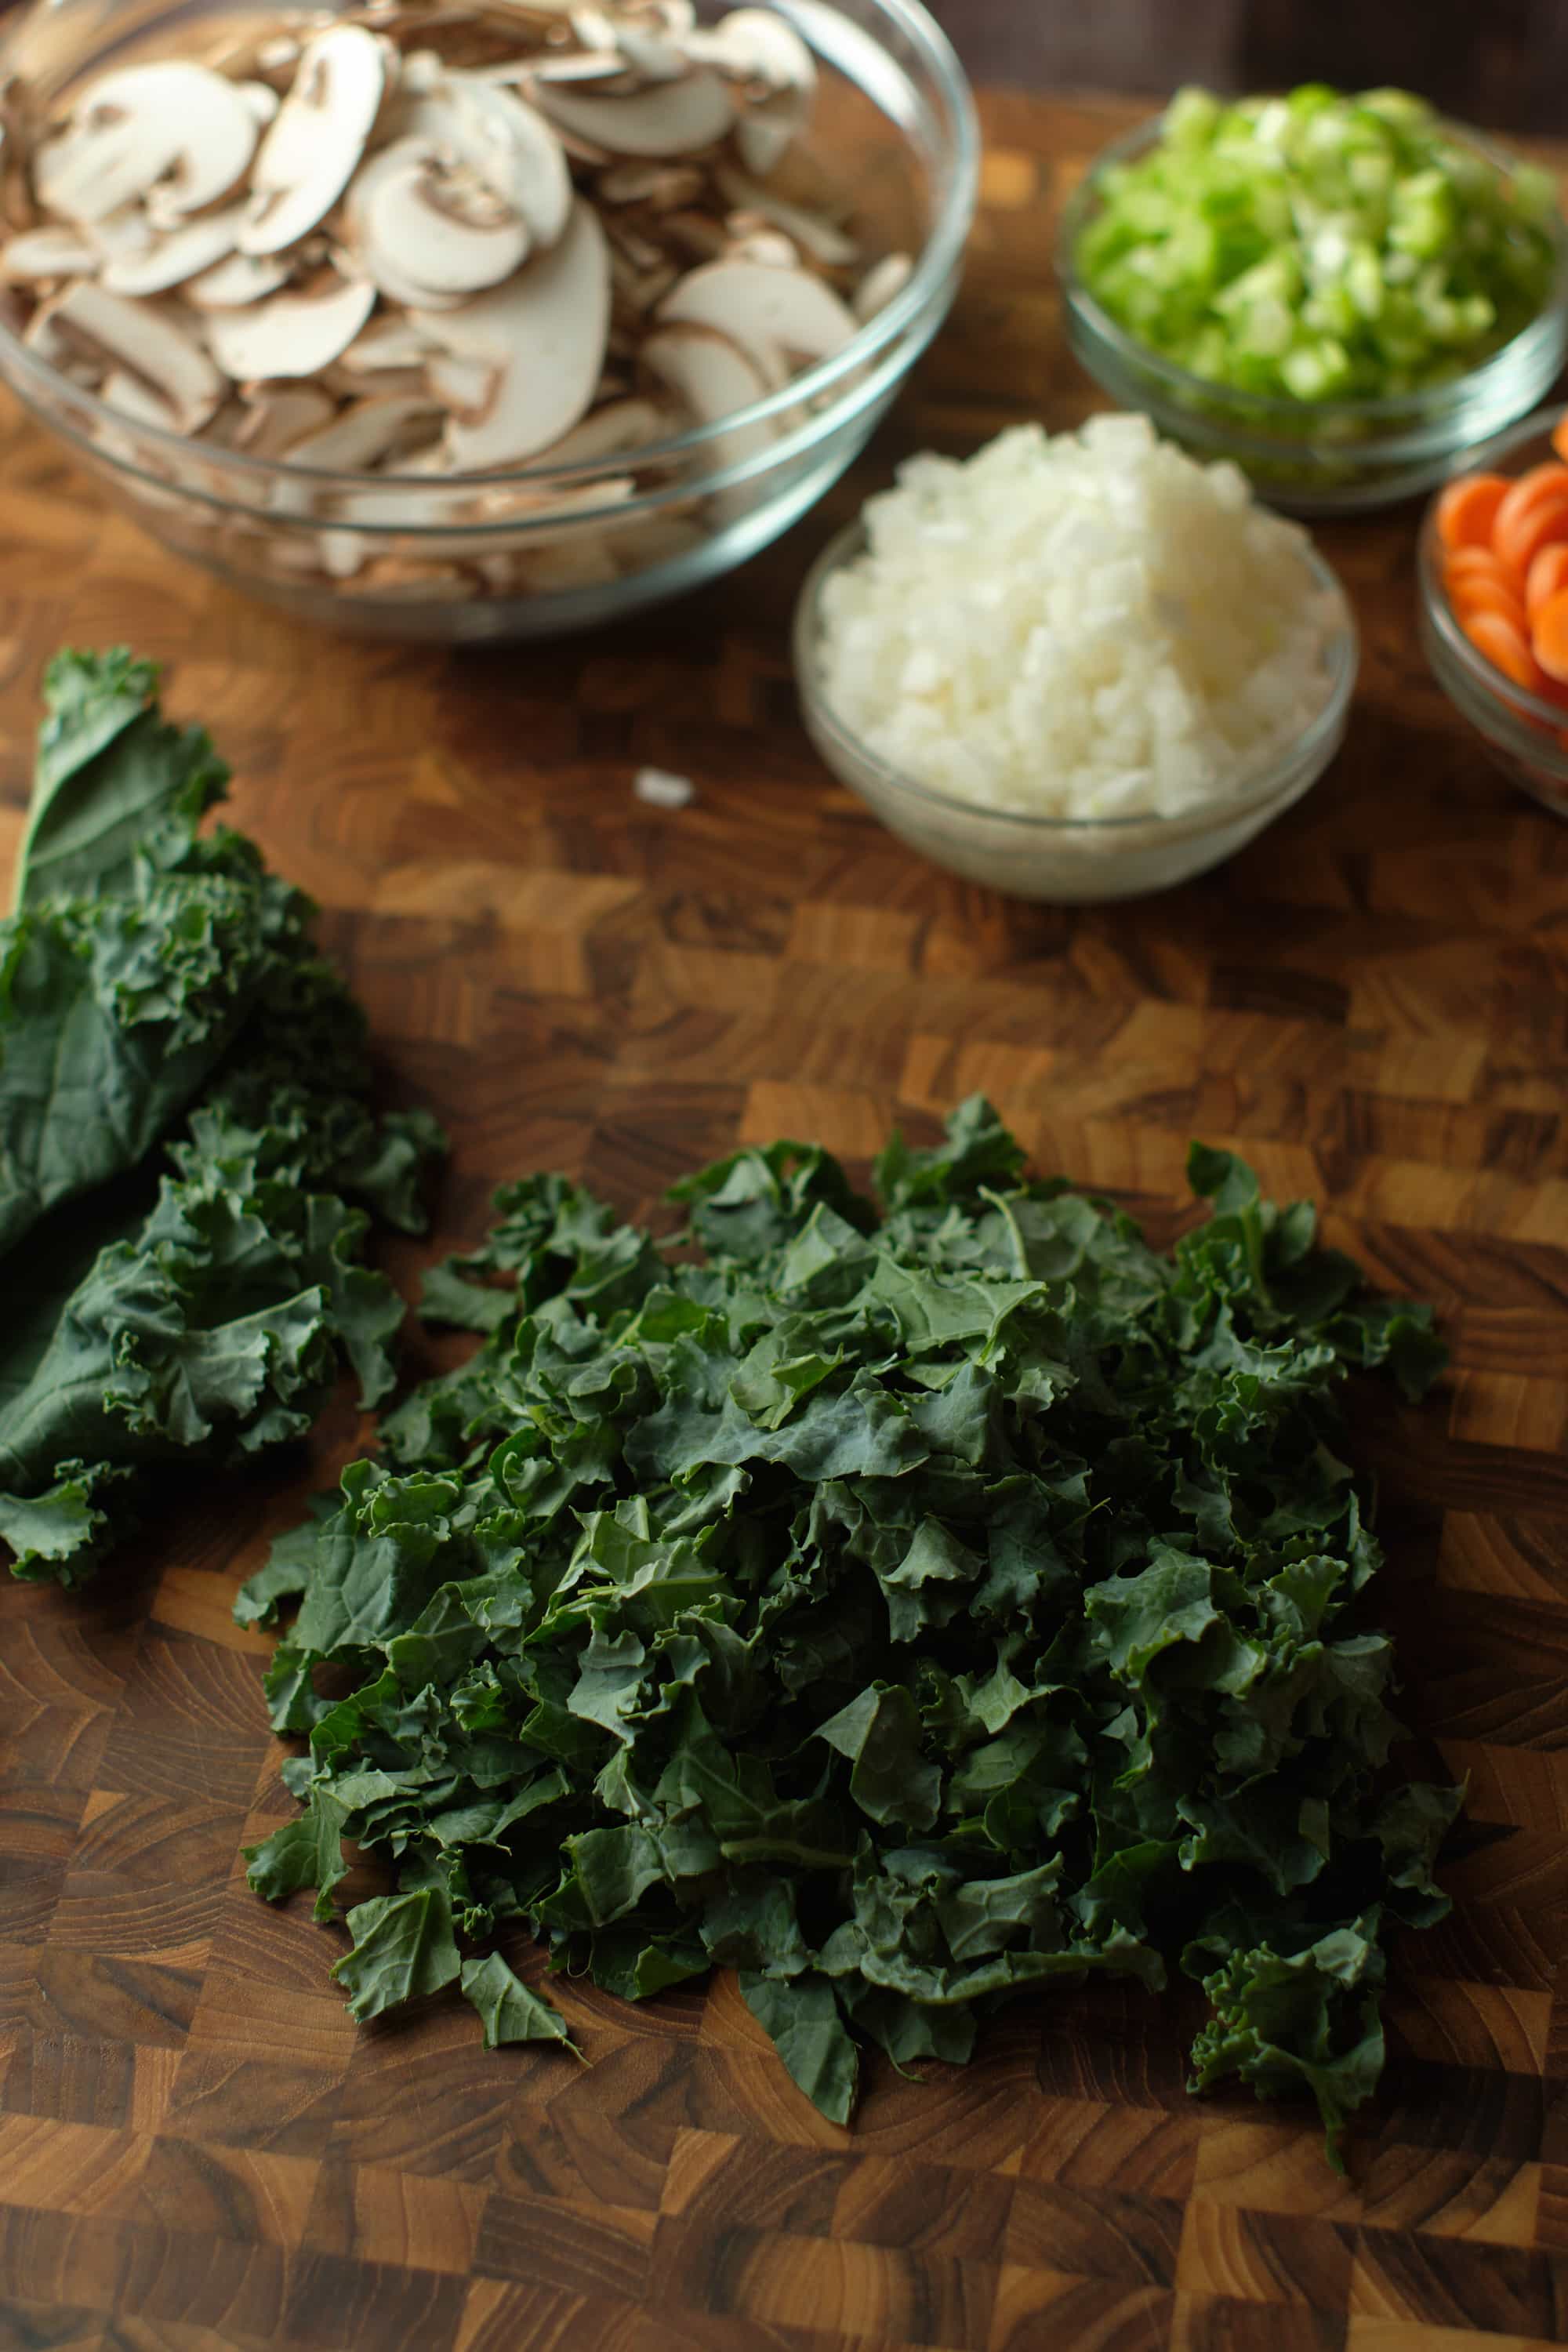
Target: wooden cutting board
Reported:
point(197, 2148)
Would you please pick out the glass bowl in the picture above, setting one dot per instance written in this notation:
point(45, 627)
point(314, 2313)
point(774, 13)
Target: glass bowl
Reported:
point(1065, 859)
point(1526, 736)
point(1310, 457)
point(543, 550)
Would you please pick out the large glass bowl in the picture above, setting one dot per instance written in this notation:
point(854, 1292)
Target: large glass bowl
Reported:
point(1525, 735)
point(1310, 458)
point(1064, 860)
point(543, 550)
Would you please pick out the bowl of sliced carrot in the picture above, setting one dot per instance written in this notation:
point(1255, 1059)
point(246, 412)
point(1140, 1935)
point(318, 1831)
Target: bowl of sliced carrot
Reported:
point(1494, 600)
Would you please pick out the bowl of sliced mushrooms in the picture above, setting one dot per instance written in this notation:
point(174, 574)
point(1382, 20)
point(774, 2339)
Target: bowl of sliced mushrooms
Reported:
point(466, 319)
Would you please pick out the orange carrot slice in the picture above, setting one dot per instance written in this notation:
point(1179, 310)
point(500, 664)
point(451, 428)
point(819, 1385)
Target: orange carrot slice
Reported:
point(1538, 524)
point(1478, 563)
point(1547, 576)
point(1506, 648)
point(1479, 594)
point(1468, 509)
point(1549, 637)
point(1560, 436)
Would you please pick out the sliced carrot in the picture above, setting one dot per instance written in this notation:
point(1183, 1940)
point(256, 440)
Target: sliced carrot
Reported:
point(1547, 576)
point(1560, 436)
point(1549, 637)
point(1468, 509)
point(1521, 537)
point(1478, 563)
point(1506, 648)
point(1478, 594)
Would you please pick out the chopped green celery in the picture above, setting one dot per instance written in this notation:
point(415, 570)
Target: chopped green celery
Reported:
point(1398, 253)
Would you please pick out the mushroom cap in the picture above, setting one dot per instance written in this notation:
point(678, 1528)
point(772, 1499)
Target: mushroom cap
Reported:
point(418, 220)
point(174, 122)
point(184, 253)
point(291, 334)
point(277, 415)
point(667, 118)
point(138, 338)
point(239, 278)
point(309, 155)
point(544, 332)
point(775, 316)
point(51, 251)
point(505, 141)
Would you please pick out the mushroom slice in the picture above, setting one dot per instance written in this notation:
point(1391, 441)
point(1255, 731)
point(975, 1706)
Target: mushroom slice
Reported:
point(715, 379)
point(883, 284)
point(667, 187)
point(274, 420)
point(135, 398)
point(752, 45)
point(386, 344)
point(293, 334)
point(506, 143)
point(579, 65)
point(612, 431)
point(369, 433)
point(242, 277)
point(463, 382)
point(50, 252)
point(184, 253)
point(777, 316)
point(544, 332)
point(811, 231)
point(137, 338)
point(176, 123)
point(770, 246)
point(308, 156)
point(667, 118)
point(262, 100)
point(438, 228)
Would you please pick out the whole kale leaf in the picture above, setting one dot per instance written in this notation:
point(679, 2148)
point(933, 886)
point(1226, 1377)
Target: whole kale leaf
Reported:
point(189, 1161)
point(908, 1608)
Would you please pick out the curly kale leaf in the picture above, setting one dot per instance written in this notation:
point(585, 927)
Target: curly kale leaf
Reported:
point(909, 1611)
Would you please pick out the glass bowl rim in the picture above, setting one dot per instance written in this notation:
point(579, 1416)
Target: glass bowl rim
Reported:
point(1317, 741)
point(1518, 705)
point(939, 257)
point(1262, 407)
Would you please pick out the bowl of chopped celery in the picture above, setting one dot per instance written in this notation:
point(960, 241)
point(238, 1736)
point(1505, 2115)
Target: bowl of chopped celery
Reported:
point(1518, 710)
point(1340, 294)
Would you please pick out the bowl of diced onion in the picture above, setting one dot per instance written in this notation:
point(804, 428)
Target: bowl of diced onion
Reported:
point(1524, 726)
point(1078, 668)
point(1340, 295)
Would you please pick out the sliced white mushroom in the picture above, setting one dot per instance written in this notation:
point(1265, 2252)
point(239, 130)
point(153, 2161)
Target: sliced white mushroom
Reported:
point(652, 55)
point(505, 142)
point(308, 156)
point(294, 333)
point(370, 433)
point(811, 231)
point(135, 398)
point(135, 336)
point(125, 234)
point(768, 247)
point(777, 316)
point(50, 252)
point(276, 417)
point(183, 254)
point(262, 100)
point(463, 382)
point(440, 229)
point(883, 284)
point(545, 331)
point(384, 344)
point(174, 122)
point(580, 66)
point(674, 117)
point(755, 46)
point(612, 431)
point(715, 379)
point(242, 279)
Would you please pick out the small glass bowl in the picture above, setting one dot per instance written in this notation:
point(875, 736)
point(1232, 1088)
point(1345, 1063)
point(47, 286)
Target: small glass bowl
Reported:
point(1310, 457)
point(543, 551)
point(1525, 736)
point(1066, 859)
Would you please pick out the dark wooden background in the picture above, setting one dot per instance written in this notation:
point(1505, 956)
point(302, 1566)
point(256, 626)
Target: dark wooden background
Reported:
point(198, 2151)
point(1504, 64)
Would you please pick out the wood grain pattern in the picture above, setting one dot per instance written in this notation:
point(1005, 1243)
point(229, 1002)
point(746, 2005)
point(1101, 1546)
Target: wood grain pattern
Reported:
point(197, 2148)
